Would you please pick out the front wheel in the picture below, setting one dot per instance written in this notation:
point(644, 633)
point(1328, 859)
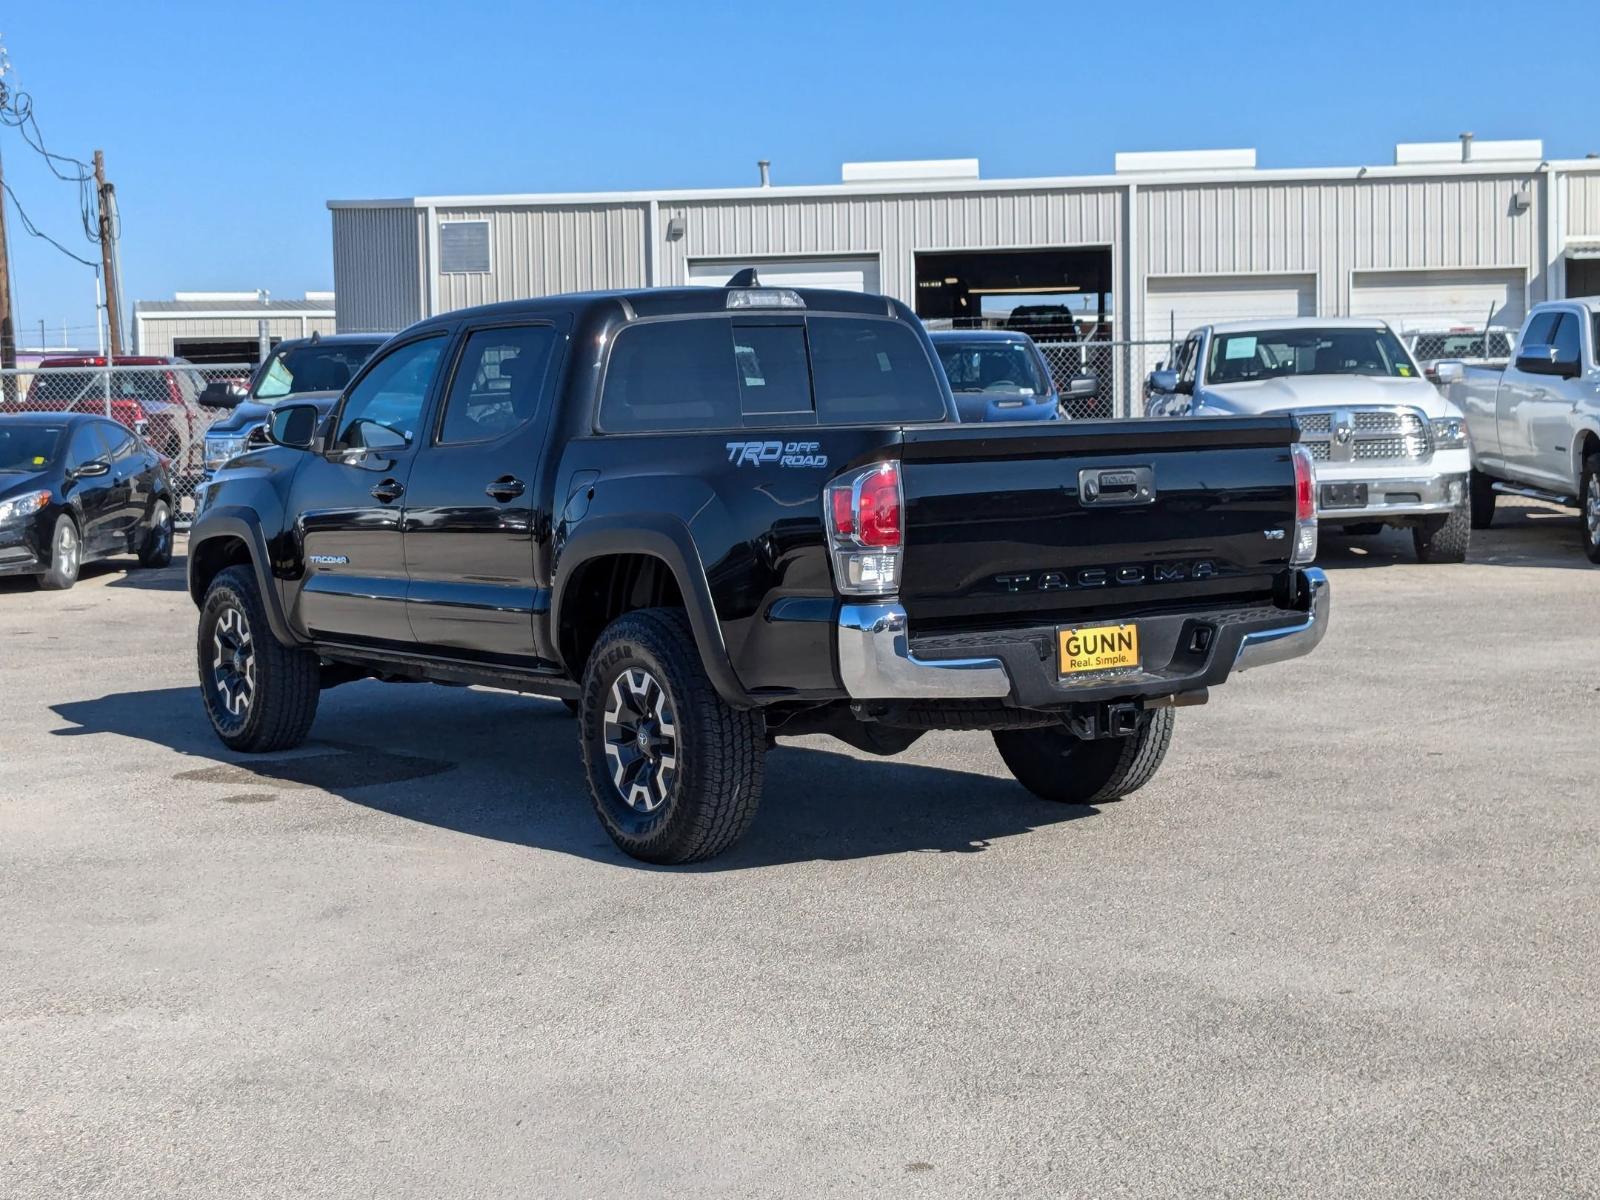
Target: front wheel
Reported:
point(1054, 765)
point(1589, 507)
point(66, 555)
point(1444, 539)
point(260, 694)
point(675, 773)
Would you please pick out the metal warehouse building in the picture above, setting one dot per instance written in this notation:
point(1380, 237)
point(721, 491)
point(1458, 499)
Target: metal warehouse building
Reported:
point(226, 327)
point(1445, 234)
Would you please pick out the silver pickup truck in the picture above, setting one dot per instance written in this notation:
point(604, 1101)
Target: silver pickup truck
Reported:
point(1388, 449)
point(1535, 426)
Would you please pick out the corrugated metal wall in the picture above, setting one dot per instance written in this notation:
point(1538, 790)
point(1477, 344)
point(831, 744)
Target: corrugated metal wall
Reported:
point(1583, 204)
point(1332, 228)
point(545, 251)
point(157, 334)
point(378, 279)
point(890, 226)
point(1323, 227)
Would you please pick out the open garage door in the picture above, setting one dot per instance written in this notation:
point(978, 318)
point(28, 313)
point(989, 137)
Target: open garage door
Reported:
point(841, 274)
point(1439, 299)
point(1172, 307)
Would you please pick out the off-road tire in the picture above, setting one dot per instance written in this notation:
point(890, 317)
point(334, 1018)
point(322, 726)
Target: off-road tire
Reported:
point(719, 752)
point(1588, 498)
point(1444, 539)
point(66, 555)
point(155, 548)
point(285, 681)
point(1054, 765)
point(1480, 494)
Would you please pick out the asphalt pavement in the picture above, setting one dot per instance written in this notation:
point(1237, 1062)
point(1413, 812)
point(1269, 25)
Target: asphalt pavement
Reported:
point(1346, 944)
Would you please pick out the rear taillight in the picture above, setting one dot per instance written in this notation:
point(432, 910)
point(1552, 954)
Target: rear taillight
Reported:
point(864, 511)
point(1305, 506)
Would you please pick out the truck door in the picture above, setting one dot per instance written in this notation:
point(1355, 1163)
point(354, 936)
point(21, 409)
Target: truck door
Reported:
point(1548, 415)
point(348, 501)
point(473, 509)
point(1520, 394)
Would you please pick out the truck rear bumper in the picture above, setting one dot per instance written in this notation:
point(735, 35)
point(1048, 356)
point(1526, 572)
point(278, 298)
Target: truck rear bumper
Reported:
point(1181, 652)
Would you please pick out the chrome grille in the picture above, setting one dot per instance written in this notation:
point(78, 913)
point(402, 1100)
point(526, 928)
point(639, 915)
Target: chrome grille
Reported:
point(1365, 435)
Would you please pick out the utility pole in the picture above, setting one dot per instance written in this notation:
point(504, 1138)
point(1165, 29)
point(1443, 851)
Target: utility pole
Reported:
point(8, 336)
point(105, 192)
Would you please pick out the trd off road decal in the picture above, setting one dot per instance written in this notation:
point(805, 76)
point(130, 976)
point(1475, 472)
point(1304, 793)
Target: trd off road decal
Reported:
point(785, 454)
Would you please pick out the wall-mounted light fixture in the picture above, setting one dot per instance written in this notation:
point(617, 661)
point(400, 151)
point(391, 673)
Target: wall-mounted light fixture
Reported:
point(676, 228)
point(1521, 199)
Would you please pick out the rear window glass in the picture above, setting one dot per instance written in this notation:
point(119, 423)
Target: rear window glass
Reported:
point(669, 375)
point(866, 370)
point(711, 373)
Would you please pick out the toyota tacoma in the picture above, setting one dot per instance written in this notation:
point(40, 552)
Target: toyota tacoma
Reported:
point(709, 517)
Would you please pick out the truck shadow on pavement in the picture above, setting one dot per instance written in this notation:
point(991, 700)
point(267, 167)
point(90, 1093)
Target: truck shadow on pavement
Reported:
point(494, 765)
point(1524, 534)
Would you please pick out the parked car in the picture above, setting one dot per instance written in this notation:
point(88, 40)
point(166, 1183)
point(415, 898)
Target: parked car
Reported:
point(1535, 425)
point(318, 365)
point(1389, 449)
point(159, 405)
point(998, 375)
point(710, 516)
point(1480, 347)
point(75, 488)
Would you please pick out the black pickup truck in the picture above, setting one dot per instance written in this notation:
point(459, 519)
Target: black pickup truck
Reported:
point(709, 517)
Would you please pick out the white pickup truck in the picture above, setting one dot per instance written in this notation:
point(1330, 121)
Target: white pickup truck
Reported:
point(1388, 448)
point(1535, 426)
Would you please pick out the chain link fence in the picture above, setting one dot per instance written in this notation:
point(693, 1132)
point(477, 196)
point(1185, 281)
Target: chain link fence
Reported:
point(162, 403)
point(1118, 370)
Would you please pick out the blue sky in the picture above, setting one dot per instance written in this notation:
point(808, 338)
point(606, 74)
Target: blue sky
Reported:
point(227, 126)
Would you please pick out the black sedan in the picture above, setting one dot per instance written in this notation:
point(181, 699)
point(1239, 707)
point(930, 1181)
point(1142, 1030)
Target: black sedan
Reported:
point(74, 488)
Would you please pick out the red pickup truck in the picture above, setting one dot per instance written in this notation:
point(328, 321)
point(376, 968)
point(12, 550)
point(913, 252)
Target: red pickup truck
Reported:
point(161, 405)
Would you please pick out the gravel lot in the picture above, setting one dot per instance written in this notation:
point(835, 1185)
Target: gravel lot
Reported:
point(1348, 943)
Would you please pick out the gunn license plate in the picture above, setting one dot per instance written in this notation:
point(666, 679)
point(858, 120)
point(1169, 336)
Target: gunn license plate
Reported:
point(1098, 648)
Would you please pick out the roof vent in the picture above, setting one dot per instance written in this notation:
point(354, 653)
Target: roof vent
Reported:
point(914, 170)
point(1186, 160)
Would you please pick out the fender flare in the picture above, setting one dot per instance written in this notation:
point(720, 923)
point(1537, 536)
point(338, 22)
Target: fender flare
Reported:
point(661, 536)
point(242, 523)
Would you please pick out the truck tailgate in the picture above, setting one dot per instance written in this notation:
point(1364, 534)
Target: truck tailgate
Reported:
point(1062, 519)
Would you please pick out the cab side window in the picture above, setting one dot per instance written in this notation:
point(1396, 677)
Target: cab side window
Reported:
point(498, 383)
point(1187, 357)
point(384, 410)
point(1539, 330)
point(120, 444)
point(86, 446)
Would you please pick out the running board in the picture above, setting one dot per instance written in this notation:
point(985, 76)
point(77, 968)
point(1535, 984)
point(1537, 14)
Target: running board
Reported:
point(1530, 493)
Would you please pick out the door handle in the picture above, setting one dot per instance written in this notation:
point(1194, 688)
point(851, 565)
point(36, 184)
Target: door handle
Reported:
point(507, 487)
point(388, 491)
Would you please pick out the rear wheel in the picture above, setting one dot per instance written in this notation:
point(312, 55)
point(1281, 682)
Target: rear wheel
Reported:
point(1054, 765)
point(1480, 492)
point(1589, 507)
point(66, 555)
point(260, 694)
point(156, 548)
point(675, 773)
point(1444, 539)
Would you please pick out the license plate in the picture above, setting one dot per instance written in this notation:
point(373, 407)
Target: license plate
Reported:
point(1344, 495)
point(1098, 648)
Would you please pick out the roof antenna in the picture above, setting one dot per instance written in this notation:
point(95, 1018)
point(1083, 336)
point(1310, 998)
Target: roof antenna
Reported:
point(744, 278)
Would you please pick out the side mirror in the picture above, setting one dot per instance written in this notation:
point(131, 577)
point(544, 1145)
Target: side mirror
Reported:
point(1168, 381)
point(1083, 387)
point(1450, 371)
point(92, 468)
point(1546, 360)
point(294, 426)
point(222, 393)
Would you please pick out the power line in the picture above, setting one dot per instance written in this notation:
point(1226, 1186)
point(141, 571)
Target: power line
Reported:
point(33, 230)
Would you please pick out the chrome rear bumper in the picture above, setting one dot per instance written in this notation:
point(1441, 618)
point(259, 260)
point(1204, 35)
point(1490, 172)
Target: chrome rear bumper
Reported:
point(876, 661)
